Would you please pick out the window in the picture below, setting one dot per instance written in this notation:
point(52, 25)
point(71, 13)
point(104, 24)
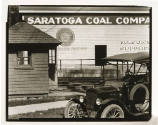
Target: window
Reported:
point(51, 56)
point(24, 57)
point(52, 64)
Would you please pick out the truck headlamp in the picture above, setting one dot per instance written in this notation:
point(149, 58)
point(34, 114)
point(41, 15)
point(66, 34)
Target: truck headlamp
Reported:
point(81, 99)
point(98, 101)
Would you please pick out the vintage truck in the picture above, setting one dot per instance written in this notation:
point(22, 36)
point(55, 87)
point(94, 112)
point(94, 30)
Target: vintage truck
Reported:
point(117, 98)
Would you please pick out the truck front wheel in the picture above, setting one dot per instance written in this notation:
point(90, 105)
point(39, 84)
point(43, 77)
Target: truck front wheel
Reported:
point(112, 111)
point(73, 110)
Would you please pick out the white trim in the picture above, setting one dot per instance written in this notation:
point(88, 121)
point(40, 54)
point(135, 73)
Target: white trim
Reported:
point(39, 11)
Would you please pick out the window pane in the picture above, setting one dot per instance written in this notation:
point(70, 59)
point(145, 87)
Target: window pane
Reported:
point(53, 52)
point(50, 61)
point(50, 53)
point(20, 53)
point(26, 62)
point(25, 53)
point(53, 58)
point(53, 61)
point(19, 61)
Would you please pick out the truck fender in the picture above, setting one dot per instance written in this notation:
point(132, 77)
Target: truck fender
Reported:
point(110, 101)
point(75, 100)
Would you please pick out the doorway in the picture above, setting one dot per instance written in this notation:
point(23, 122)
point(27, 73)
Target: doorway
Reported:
point(100, 53)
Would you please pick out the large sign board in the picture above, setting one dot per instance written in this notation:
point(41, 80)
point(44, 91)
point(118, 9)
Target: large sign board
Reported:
point(86, 20)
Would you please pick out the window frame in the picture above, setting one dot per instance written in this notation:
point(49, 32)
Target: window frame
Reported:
point(52, 57)
point(24, 66)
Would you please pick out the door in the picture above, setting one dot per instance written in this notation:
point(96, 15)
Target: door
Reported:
point(100, 53)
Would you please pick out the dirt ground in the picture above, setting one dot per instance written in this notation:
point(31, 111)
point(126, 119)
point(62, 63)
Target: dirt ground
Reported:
point(59, 113)
point(52, 97)
point(51, 113)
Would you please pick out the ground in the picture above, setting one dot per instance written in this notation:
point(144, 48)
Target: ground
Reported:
point(59, 113)
point(51, 113)
point(52, 97)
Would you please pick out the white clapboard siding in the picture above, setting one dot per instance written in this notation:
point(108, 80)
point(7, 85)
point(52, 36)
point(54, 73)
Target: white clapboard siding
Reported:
point(87, 36)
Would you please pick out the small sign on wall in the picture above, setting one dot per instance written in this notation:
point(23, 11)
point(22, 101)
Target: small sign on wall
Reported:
point(66, 36)
point(100, 53)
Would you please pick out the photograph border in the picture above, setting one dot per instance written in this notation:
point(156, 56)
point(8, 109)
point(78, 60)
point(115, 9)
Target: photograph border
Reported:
point(83, 119)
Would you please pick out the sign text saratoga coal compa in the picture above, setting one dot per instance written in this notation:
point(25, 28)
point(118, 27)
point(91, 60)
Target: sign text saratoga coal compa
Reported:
point(87, 20)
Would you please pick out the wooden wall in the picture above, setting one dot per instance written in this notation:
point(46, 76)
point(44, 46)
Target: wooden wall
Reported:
point(28, 81)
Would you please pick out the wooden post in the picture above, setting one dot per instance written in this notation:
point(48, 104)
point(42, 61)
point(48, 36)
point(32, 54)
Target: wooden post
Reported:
point(81, 64)
point(134, 67)
point(122, 68)
point(117, 70)
point(103, 71)
point(127, 65)
point(60, 64)
point(101, 68)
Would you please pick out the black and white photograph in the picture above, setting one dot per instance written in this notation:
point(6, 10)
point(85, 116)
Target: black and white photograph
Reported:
point(78, 63)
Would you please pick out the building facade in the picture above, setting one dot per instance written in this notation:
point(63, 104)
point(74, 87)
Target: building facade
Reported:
point(89, 33)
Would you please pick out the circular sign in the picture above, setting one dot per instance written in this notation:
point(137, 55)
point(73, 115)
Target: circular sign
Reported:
point(66, 36)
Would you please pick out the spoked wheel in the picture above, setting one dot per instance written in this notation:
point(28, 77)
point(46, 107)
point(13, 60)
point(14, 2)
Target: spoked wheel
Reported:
point(73, 110)
point(143, 106)
point(140, 96)
point(112, 111)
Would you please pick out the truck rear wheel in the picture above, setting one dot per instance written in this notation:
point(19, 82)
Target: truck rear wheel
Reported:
point(139, 94)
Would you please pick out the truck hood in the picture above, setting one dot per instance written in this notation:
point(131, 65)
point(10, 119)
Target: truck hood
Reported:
point(110, 86)
point(103, 89)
